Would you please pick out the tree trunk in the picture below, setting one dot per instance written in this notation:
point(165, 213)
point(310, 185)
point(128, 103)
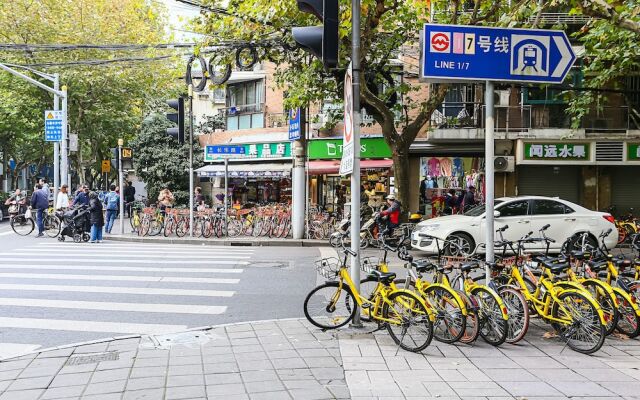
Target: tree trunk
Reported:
point(402, 175)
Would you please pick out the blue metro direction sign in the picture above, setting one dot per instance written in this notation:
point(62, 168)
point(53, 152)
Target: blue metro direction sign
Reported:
point(467, 53)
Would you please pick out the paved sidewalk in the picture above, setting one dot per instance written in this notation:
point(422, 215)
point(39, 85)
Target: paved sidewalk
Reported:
point(289, 359)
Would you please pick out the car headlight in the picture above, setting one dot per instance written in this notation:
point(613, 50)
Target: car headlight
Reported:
point(429, 228)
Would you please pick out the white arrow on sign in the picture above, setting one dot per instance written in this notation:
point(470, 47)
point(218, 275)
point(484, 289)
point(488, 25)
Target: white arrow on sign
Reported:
point(567, 56)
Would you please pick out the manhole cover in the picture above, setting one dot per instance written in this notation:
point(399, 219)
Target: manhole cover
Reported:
point(269, 264)
point(93, 358)
point(189, 339)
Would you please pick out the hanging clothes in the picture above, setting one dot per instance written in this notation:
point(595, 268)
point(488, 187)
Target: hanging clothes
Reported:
point(446, 166)
point(434, 167)
point(458, 167)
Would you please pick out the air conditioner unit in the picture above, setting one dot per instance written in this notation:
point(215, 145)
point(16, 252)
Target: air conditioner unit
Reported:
point(504, 163)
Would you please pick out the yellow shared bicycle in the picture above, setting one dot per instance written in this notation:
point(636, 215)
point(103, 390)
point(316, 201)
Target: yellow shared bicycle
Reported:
point(334, 303)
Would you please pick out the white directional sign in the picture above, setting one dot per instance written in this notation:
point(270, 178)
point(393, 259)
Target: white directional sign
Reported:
point(346, 164)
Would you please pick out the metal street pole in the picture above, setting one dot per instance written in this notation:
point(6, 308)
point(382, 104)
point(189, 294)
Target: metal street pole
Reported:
point(121, 185)
point(226, 191)
point(56, 145)
point(64, 163)
point(355, 176)
point(191, 161)
point(299, 182)
point(489, 174)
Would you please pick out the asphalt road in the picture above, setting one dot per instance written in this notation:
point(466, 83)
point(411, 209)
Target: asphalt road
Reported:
point(56, 293)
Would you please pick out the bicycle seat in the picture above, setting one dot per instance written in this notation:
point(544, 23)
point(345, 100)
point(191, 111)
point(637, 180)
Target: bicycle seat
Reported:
point(383, 277)
point(623, 263)
point(466, 267)
point(423, 265)
point(540, 258)
point(579, 255)
point(555, 267)
point(598, 265)
point(496, 266)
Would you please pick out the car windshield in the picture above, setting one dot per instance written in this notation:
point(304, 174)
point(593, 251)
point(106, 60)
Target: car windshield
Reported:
point(479, 210)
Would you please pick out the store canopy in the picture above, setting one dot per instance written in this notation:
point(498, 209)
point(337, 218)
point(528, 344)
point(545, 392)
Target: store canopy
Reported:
point(247, 170)
point(333, 166)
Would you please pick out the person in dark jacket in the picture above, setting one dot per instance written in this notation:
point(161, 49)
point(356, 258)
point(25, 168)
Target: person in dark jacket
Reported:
point(95, 217)
point(82, 198)
point(40, 201)
point(129, 193)
point(470, 198)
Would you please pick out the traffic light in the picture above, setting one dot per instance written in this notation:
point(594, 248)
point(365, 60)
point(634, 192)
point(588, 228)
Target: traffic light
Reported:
point(127, 158)
point(321, 41)
point(177, 118)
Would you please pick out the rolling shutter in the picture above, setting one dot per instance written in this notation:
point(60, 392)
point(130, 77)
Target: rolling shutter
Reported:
point(542, 180)
point(625, 188)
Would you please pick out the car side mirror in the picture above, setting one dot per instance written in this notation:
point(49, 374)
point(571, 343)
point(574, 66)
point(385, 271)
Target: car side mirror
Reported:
point(496, 214)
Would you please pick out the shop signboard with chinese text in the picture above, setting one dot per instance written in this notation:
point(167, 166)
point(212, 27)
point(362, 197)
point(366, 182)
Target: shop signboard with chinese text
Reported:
point(329, 149)
point(252, 150)
point(557, 151)
point(466, 53)
point(294, 124)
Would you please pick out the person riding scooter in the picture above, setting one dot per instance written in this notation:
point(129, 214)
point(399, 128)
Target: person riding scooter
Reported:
point(392, 213)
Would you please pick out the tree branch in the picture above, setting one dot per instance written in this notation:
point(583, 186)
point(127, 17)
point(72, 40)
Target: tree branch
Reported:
point(386, 120)
point(601, 9)
point(427, 108)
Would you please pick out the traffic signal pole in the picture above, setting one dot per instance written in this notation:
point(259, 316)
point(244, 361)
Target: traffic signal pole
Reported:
point(355, 176)
point(191, 161)
point(56, 145)
point(489, 174)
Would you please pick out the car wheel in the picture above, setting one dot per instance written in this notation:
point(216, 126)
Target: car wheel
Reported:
point(464, 242)
point(1, 215)
point(575, 243)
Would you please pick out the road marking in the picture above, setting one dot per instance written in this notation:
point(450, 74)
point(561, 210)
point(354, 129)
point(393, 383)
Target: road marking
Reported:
point(89, 326)
point(90, 259)
point(132, 278)
point(132, 269)
point(186, 253)
point(16, 349)
point(116, 253)
point(119, 290)
point(139, 245)
point(6, 233)
point(110, 306)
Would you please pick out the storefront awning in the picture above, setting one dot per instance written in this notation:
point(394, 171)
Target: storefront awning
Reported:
point(247, 170)
point(333, 166)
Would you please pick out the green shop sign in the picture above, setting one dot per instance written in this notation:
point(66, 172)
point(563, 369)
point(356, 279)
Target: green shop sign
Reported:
point(557, 151)
point(633, 151)
point(329, 149)
point(260, 150)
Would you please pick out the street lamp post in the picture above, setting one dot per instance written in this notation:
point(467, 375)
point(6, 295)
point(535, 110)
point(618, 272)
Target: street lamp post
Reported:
point(120, 184)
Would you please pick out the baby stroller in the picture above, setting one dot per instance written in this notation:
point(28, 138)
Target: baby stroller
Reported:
point(76, 224)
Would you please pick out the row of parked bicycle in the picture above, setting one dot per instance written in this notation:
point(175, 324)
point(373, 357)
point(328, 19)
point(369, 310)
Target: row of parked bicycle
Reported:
point(585, 294)
point(264, 221)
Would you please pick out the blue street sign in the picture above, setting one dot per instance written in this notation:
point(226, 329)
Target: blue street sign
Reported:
point(53, 125)
point(224, 150)
point(468, 53)
point(294, 124)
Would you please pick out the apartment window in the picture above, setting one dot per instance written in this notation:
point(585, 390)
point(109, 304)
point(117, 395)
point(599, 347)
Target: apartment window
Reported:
point(245, 97)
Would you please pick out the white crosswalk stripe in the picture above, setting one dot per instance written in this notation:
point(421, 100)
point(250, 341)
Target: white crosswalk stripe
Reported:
point(116, 288)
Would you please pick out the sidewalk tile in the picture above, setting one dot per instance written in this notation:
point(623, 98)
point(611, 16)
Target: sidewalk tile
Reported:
point(292, 363)
point(255, 365)
point(628, 389)
point(103, 396)
point(185, 392)
point(145, 372)
point(511, 374)
point(185, 360)
point(22, 395)
point(150, 362)
point(321, 362)
point(328, 373)
point(110, 375)
point(56, 353)
point(572, 389)
point(226, 389)
point(12, 365)
point(229, 397)
point(258, 356)
point(220, 379)
point(258, 376)
point(270, 396)
point(9, 375)
point(302, 384)
point(30, 383)
point(185, 380)
point(81, 378)
point(537, 362)
point(264, 386)
point(146, 383)
point(557, 375)
point(319, 393)
point(530, 389)
point(105, 387)
point(144, 394)
point(187, 369)
point(62, 392)
point(221, 368)
point(493, 362)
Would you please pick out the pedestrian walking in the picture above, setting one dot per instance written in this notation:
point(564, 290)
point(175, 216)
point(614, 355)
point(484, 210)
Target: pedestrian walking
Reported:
point(95, 217)
point(40, 201)
point(62, 202)
point(112, 202)
point(82, 198)
point(199, 199)
point(45, 186)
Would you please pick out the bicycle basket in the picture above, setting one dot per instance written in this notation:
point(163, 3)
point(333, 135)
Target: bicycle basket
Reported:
point(328, 267)
point(369, 264)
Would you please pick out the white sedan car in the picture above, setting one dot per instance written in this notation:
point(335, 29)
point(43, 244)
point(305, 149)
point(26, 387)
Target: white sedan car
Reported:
point(523, 215)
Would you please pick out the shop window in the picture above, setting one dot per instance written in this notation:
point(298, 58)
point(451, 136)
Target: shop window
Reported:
point(515, 209)
point(547, 207)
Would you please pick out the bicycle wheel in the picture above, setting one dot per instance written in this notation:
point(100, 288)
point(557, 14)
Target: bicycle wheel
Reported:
point(234, 228)
point(368, 289)
point(607, 302)
point(493, 325)
point(207, 228)
point(629, 320)
point(145, 225)
point(134, 219)
point(472, 326)
point(329, 306)
point(518, 310)
point(410, 326)
point(198, 227)
point(450, 322)
point(258, 225)
point(22, 226)
point(183, 228)
point(155, 227)
point(51, 226)
point(583, 330)
point(170, 227)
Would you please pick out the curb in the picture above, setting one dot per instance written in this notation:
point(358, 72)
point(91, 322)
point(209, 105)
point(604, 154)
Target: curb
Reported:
point(224, 242)
point(123, 337)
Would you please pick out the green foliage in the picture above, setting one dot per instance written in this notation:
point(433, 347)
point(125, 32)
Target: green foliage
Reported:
point(161, 162)
point(105, 102)
point(209, 124)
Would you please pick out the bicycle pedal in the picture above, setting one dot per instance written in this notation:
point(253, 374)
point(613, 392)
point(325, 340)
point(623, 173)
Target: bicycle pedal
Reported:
point(366, 306)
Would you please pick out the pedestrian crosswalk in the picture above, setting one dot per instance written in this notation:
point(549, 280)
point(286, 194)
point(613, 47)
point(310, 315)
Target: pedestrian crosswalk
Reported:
point(113, 288)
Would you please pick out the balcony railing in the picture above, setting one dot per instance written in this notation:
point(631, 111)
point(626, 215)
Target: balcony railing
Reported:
point(612, 119)
point(561, 18)
point(242, 109)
